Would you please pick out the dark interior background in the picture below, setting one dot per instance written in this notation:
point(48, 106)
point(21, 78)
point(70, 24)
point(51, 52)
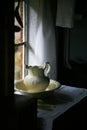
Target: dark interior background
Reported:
point(74, 72)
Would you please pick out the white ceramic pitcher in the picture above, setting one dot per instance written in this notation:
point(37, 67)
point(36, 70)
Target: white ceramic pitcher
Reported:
point(37, 79)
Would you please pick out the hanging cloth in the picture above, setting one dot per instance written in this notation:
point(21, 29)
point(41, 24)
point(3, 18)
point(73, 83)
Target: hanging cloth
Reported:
point(65, 13)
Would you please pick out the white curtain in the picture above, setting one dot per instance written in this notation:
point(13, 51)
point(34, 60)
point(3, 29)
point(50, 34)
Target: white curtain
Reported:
point(42, 36)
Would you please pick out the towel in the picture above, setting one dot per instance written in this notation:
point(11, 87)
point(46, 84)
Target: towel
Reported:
point(65, 13)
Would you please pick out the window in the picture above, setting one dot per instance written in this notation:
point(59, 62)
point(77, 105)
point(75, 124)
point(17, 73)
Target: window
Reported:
point(19, 41)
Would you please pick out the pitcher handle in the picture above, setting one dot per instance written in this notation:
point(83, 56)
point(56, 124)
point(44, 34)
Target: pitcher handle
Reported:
point(47, 68)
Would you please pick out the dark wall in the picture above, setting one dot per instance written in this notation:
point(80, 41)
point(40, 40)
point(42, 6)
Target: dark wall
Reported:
point(6, 59)
point(16, 111)
point(72, 49)
point(78, 35)
point(7, 47)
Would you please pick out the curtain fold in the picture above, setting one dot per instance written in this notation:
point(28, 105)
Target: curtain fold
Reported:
point(42, 36)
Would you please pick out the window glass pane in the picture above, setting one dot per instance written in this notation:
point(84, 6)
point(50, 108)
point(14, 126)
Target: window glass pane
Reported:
point(18, 62)
point(18, 69)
